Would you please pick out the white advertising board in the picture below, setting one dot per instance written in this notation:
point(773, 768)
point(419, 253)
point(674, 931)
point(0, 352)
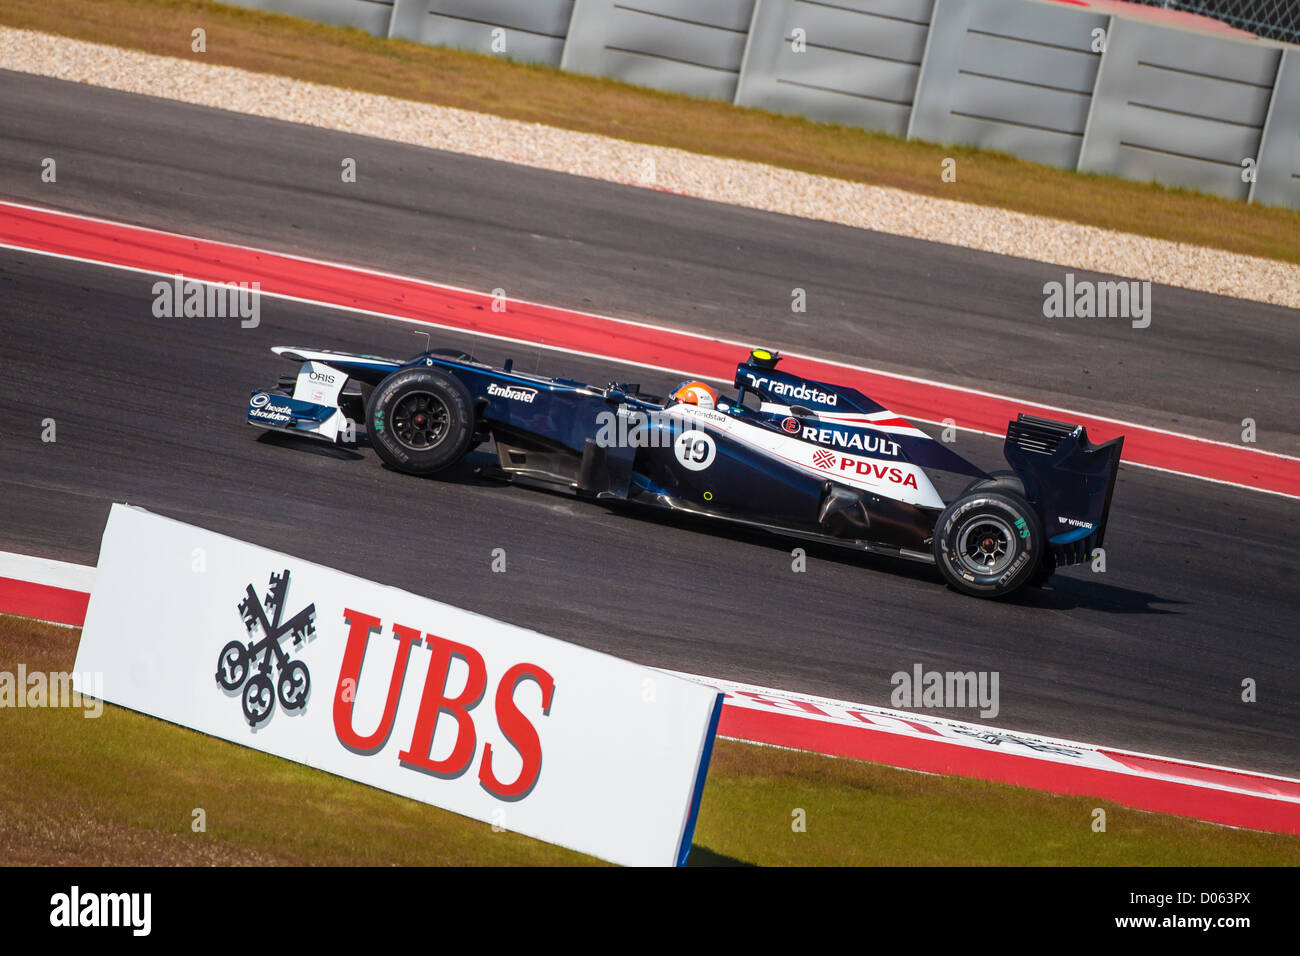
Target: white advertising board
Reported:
point(492, 721)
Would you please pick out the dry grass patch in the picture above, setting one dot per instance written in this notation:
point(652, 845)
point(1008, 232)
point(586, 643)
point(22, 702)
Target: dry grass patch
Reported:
point(270, 43)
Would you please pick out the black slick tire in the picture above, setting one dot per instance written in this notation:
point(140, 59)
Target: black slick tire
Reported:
point(420, 420)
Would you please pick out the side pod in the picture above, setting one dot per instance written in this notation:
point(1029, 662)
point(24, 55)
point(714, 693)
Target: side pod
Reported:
point(1068, 479)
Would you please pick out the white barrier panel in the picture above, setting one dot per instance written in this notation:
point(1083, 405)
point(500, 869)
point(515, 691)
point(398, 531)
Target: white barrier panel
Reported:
point(492, 721)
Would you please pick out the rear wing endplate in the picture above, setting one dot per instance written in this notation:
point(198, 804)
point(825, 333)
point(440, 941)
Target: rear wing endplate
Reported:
point(1068, 479)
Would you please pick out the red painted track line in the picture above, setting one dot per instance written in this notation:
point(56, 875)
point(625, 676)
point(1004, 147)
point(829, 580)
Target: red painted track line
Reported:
point(942, 757)
point(43, 602)
point(162, 253)
point(1212, 775)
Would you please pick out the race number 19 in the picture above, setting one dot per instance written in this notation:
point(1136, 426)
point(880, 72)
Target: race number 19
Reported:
point(695, 449)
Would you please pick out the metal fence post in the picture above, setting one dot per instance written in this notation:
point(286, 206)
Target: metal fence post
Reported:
point(744, 57)
point(1096, 84)
point(392, 14)
point(935, 12)
point(564, 51)
point(1268, 120)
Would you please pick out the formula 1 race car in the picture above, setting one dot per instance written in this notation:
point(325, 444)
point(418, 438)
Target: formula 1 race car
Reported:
point(797, 457)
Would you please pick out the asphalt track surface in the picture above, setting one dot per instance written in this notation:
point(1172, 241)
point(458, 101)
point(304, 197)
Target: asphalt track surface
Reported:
point(1200, 587)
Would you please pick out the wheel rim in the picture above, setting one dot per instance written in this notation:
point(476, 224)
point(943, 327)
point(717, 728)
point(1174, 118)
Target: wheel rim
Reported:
point(419, 420)
point(986, 545)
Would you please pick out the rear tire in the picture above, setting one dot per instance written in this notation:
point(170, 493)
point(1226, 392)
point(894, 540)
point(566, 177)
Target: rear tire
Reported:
point(420, 420)
point(988, 544)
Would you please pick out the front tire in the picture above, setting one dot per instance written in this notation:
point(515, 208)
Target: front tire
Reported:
point(988, 544)
point(420, 420)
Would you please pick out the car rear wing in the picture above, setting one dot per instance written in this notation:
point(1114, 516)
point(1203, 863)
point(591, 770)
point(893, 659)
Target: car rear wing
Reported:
point(1067, 479)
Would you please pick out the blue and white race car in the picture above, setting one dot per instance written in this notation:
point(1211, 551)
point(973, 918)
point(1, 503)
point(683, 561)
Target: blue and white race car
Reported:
point(794, 456)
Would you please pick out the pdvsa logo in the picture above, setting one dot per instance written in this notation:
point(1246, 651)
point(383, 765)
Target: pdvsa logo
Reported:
point(245, 668)
point(878, 471)
point(823, 459)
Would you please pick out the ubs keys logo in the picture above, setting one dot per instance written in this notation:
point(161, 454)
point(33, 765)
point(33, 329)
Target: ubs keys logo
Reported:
point(246, 668)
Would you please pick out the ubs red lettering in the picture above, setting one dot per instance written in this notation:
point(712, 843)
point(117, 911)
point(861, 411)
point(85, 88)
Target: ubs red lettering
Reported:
point(437, 705)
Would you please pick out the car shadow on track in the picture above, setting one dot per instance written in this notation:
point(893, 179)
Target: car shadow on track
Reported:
point(313, 446)
point(464, 472)
point(1065, 593)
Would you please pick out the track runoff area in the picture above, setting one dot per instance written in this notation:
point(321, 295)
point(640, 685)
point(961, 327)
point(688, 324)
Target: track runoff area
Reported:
point(58, 592)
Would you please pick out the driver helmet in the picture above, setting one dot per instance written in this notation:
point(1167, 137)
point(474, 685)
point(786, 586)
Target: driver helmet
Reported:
point(695, 393)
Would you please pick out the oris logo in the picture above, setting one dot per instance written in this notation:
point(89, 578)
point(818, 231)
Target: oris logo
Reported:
point(791, 425)
point(322, 377)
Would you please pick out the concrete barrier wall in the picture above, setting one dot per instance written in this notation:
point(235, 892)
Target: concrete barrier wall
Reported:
point(1278, 174)
point(532, 32)
point(686, 46)
point(372, 16)
point(1010, 76)
point(1051, 82)
point(1181, 108)
point(855, 62)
